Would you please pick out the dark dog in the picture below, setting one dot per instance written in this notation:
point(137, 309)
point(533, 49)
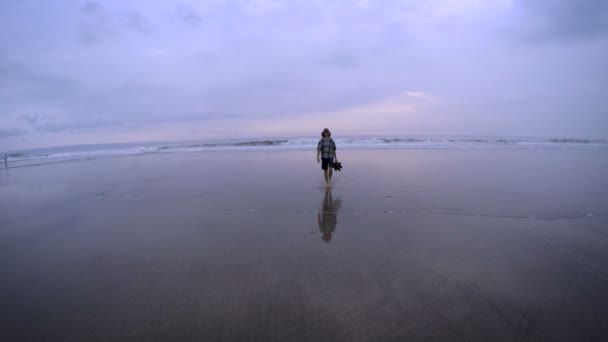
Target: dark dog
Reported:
point(337, 166)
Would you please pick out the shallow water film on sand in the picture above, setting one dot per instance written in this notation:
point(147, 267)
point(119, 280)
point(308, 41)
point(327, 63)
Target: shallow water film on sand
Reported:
point(457, 244)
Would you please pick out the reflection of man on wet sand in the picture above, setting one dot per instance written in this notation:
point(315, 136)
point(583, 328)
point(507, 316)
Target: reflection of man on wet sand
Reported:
point(328, 215)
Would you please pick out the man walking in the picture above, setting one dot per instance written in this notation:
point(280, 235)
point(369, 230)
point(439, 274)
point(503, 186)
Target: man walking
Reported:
point(326, 155)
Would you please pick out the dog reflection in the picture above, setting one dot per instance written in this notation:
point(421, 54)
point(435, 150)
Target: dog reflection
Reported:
point(328, 215)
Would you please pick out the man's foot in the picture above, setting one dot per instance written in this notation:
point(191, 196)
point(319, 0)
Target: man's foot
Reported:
point(328, 185)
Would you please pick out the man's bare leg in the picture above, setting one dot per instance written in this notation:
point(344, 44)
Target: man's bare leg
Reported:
point(326, 175)
point(331, 172)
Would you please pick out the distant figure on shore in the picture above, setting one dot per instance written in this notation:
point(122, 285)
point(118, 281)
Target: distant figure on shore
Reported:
point(326, 155)
point(5, 159)
point(328, 215)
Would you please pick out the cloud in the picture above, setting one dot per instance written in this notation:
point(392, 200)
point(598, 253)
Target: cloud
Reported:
point(230, 65)
point(44, 119)
point(50, 119)
point(58, 125)
point(99, 22)
point(411, 111)
point(22, 80)
point(91, 7)
point(156, 52)
point(94, 24)
point(10, 132)
point(262, 7)
point(566, 20)
point(30, 119)
point(188, 15)
point(136, 21)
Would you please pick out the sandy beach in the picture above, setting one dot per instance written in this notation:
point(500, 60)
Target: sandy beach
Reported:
point(409, 245)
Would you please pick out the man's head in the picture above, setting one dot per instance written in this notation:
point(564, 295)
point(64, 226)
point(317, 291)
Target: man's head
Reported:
point(326, 133)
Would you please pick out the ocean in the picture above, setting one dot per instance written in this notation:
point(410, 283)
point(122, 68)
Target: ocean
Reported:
point(94, 151)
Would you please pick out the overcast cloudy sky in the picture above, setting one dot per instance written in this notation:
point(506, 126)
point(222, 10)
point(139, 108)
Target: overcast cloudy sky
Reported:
point(75, 72)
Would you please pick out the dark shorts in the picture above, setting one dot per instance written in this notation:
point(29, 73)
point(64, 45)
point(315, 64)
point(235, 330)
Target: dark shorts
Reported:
point(325, 162)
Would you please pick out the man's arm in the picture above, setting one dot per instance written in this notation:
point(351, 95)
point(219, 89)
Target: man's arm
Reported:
point(335, 154)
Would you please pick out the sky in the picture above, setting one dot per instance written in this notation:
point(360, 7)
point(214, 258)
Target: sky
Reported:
point(82, 72)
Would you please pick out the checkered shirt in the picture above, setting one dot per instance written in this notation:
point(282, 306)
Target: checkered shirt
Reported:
point(327, 148)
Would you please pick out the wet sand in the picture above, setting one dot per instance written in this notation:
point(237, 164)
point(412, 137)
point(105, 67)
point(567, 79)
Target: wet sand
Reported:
point(409, 245)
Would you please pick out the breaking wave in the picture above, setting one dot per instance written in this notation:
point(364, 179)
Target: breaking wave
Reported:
point(93, 151)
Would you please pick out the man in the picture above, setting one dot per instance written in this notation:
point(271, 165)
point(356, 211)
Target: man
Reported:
point(326, 155)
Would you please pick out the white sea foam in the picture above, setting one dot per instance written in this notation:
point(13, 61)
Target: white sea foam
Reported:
point(96, 151)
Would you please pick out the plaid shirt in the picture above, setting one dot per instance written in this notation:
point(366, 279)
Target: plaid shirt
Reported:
point(327, 148)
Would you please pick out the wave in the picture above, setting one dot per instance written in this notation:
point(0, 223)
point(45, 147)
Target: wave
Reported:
point(97, 151)
point(576, 141)
point(261, 143)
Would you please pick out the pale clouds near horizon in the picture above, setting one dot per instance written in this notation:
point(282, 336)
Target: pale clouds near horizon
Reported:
point(74, 72)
